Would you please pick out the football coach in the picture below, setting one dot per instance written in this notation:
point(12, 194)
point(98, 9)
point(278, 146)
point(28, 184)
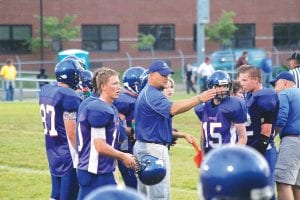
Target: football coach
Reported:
point(153, 117)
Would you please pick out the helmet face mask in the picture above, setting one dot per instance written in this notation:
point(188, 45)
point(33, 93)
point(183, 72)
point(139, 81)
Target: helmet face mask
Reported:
point(86, 79)
point(220, 81)
point(131, 79)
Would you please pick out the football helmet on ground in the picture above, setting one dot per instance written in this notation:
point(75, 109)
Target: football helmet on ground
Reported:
point(235, 172)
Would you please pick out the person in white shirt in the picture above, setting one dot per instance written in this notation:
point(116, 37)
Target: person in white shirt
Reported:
point(204, 71)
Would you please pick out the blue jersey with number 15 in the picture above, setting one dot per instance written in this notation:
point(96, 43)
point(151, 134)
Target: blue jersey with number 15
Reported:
point(217, 121)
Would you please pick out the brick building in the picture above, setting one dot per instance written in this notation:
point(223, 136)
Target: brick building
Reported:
point(109, 28)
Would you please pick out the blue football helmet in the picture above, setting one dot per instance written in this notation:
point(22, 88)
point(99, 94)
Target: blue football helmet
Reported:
point(234, 172)
point(86, 78)
point(152, 170)
point(113, 192)
point(219, 78)
point(131, 79)
point(144, 79)
point(68, 71)
point(77, 58)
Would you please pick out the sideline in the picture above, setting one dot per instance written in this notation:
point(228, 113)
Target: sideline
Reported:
point(24, 170)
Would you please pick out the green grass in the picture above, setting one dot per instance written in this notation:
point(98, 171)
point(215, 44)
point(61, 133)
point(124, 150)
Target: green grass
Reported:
point(23, 163)
point(24, 167)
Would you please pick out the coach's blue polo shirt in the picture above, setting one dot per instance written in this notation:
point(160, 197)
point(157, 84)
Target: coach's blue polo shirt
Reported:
point(289, 116)
point(152, 116)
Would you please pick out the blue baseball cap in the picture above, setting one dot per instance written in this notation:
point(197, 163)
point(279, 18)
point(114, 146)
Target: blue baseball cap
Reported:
point(160, 67)
point(283, 75)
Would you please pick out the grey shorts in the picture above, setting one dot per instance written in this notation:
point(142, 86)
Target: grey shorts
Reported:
point(160, 191)
point(287, 169)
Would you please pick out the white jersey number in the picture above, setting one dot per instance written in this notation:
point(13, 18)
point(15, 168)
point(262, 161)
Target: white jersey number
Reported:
point(48, 111)
point(213, 134)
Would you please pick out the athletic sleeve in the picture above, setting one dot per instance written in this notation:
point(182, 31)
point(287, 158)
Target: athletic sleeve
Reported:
point(268, 105)
point(158, 102)
point(240, 112)
point(199, 111)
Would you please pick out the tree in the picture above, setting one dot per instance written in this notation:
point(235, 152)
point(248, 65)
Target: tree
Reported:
point(146, 42)
point(55, 32)
point(223, 30)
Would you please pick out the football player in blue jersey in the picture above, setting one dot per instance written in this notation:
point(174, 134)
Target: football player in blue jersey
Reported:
point(86, 84)
point(58, 106)
point(125, 105)
point(153, 124)
point(98, 131)
point(262, 107)
point(220, 114)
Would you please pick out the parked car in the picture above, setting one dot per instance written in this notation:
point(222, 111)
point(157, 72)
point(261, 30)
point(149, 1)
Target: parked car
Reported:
point(226, 59)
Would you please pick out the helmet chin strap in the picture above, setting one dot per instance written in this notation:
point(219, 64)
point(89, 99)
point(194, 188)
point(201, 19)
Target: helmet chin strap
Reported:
point(216, 101)
point(220, 97)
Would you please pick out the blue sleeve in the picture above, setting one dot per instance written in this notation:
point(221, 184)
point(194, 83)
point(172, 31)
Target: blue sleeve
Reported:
point(240, 113)
point(159, 102)
point(199, 110)
point(283, 110)
point(98, 115)
point(268, 105)
point(71, 103)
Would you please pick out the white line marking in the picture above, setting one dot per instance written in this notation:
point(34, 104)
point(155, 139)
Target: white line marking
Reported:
point(24, 170)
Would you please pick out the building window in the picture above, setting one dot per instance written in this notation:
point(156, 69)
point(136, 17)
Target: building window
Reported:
point(244, 37)
point(286, 36)
point(15, 38)
point(100, 37)
point(164, 35)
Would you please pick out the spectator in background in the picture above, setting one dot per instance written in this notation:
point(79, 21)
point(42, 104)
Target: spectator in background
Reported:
point(190, 79)
point(169, 91)
point(242, 60)
point(42, 75)
point(266, 66)
point(295, 67)
point(287, 170)
point(9, 73)
point(237, 89)
point(204, 71)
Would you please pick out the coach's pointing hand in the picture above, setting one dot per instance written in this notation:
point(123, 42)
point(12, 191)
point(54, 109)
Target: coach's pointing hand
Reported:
point(207, 95)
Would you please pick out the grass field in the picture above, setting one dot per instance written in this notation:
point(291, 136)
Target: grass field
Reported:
point(23, 163)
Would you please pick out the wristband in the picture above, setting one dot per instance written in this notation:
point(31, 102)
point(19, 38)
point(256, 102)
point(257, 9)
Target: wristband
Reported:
point(262, 144)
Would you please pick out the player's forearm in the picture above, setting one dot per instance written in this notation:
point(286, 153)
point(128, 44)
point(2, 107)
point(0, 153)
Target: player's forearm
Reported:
point(185, 105)
point(266, 129)
point(242, 134)
point(70, 126)
point(105, 149)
